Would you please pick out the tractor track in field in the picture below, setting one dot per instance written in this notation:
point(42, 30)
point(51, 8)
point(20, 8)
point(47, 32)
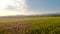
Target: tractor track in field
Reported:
point(14, 27)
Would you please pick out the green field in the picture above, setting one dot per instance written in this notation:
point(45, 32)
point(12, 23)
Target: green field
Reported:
point(33, 25)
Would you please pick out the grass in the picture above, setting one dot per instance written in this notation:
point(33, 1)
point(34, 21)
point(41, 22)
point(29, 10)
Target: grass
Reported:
point(37, 25)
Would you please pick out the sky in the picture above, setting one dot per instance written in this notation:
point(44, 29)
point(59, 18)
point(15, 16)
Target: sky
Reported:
point(45, 6)
point(28, 7)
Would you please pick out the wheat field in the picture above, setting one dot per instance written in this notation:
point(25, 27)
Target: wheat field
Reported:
point(33, 25)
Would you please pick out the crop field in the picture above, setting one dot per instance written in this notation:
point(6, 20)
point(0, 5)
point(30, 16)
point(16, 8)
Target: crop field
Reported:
point(33, 25)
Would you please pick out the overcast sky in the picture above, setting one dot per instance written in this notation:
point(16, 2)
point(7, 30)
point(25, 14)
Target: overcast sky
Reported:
point(28, 7)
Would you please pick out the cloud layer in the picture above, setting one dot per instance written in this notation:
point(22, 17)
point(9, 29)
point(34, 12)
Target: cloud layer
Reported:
point(12, 7)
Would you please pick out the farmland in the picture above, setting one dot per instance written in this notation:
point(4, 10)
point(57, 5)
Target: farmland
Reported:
point(33, 25)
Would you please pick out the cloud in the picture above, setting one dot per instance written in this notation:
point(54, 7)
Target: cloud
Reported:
point(12, 7)
point(39, 12)
point(17, 4)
